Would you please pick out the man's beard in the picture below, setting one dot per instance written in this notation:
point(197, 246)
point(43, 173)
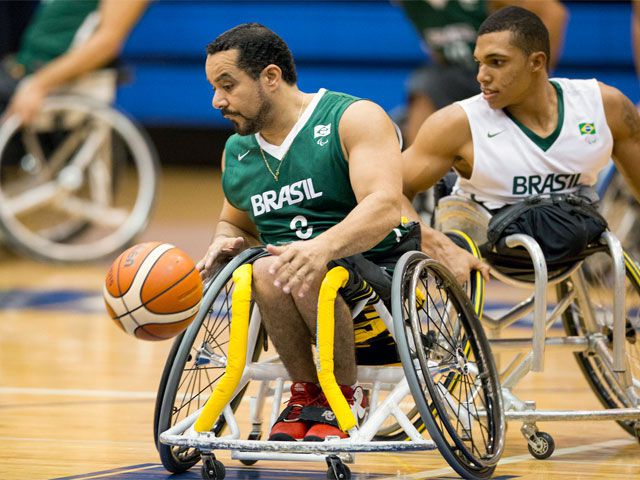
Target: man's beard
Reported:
point(255, 123)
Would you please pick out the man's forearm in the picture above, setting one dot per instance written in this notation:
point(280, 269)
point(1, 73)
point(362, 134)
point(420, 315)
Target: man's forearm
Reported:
point(229, 230)
point(366, 226)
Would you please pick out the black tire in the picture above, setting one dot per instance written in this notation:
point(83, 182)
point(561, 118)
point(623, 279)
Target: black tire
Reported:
point(596, 272)
point(184, 368)
point(452, 345)
point(213, 469)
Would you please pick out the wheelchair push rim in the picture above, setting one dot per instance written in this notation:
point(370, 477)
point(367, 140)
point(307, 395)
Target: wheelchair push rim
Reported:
point(461, 379)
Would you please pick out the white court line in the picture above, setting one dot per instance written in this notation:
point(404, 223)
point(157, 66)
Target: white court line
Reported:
point(77, 393)
point(70, 441)
point(517, 459)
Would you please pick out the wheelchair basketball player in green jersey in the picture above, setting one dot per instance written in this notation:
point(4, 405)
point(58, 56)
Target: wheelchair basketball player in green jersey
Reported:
point(316, 177)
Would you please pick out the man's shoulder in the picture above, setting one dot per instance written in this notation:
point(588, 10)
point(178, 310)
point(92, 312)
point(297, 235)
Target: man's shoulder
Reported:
point(332, 95)
point(237, 144)
point(242, 140)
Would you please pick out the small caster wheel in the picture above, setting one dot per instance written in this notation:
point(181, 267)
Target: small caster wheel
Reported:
point(541, 445)
point(252, 436)
point(212, 469)
point(337, 470)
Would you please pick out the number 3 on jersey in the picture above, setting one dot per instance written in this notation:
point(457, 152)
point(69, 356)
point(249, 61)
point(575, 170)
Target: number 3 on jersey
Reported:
point(299, 224)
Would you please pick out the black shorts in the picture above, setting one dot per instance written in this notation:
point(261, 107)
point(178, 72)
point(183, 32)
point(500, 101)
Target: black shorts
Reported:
point(374, 344)
point(443, 84)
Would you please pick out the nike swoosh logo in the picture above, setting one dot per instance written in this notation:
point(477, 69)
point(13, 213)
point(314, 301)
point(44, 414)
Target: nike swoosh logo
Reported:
point(240, 157)
point(491, 135)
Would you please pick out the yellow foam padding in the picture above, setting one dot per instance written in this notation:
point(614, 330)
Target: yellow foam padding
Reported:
point(237, 353)
point(478, 300)
point(632, 267)
point(335, 279)
point(420, 298)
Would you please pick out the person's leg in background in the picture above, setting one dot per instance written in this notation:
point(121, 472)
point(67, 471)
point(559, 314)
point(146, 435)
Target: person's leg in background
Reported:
point(431, 88)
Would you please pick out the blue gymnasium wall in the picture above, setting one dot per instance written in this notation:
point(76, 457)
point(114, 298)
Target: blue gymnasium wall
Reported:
point(366, 48)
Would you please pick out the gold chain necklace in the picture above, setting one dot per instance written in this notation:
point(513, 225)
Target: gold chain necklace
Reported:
point(276, 174)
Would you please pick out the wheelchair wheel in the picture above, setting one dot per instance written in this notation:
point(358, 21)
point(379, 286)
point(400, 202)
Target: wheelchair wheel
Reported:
point(597, 363)
point(448, 365)
point(192, 368)
point(475, 290)
point(77, 184)
point(622, 212)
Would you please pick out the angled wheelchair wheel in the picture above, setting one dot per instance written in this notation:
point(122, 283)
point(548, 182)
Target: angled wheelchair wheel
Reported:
point(597, 363)
point(196, 363)
point(475, 290)
point(622, 212)
point(77, 184)
point(448, 365)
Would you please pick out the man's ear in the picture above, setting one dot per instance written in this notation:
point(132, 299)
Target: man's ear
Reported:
point(271, 75)
point(538, 61)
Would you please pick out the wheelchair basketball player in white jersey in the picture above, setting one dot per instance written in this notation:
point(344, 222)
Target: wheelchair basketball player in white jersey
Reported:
point(527, 136)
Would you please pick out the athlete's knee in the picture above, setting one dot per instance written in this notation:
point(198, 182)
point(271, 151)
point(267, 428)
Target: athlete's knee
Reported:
point(263, 279)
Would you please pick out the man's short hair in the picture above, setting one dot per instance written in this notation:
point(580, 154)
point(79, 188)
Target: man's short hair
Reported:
point(258, 47)
point(528, 33)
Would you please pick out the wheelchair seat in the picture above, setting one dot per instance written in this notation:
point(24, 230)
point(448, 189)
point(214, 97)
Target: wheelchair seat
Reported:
point(457, 213)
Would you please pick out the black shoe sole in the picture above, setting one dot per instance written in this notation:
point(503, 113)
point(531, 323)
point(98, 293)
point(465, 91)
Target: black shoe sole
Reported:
point(281, 437)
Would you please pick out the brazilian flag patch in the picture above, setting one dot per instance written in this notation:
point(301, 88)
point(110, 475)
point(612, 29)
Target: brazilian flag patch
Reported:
point(587, 128)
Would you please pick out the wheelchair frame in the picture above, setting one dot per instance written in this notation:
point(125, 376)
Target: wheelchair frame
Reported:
point(456, 213)
point(196, 430)
point(76, 180)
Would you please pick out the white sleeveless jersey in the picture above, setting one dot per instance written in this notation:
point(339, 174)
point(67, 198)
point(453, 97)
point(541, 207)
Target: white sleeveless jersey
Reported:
point(511, 163)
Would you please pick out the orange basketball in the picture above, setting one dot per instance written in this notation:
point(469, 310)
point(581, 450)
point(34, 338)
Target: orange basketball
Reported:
point(153, 291)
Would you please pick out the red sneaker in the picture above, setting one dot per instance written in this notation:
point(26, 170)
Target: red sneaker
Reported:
point(355, 397)
point(288, 426)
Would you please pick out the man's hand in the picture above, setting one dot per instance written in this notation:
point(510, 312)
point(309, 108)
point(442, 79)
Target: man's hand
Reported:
point(298, 265)
point(460, 262)
point(26, 101)
point(220, 249)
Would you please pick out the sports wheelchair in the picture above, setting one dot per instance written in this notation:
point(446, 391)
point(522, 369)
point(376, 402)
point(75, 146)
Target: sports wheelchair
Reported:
point(79, 182)
point(446, 381)
point(598, 302)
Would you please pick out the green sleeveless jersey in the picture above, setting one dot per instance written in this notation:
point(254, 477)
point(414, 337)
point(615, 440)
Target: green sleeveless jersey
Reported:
point(312, 192)
point(51, 31)
point(448, 27)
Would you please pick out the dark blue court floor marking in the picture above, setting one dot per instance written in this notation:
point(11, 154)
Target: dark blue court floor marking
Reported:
point(149, 471)
point(82, 301)
point(88, 301)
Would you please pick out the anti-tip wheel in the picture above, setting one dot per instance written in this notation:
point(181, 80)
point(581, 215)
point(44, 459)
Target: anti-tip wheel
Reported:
point(212, 469)
point(543, 445)
point(337, 470)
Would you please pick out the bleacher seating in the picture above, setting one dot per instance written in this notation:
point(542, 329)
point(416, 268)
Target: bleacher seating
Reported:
point(363, 48)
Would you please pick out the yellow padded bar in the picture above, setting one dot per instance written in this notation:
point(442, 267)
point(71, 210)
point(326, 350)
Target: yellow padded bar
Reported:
point(335, 279)
point(237, 356)
point(478, 306)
